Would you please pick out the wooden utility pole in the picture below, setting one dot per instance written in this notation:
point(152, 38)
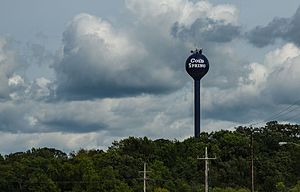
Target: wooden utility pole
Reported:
point(206, 158)
point(145, 176)
point(252, 163)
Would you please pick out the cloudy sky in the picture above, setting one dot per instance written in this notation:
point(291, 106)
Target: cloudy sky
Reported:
point(81, 74)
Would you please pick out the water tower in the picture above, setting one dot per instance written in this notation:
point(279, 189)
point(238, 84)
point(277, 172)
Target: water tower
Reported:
point(197, 66)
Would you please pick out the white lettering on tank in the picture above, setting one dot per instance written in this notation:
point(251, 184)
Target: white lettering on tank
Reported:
point(192, 65)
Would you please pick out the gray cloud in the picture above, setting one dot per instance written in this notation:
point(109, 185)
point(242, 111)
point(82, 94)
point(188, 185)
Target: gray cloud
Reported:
point(207, 30)
point(13, 118)
point(99, 61)
point(117, 81)
point(37, 117)
point(39, 55)
point(286, 29)
point(72, 126)
point(262, 36)
point(72, 117)
point(268, 88)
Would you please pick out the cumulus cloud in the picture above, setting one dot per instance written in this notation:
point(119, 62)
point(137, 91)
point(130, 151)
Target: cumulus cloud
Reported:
point(184, 25)
point(183, 11)
point(112, 81)
point(196, 23)
point(207, 30)
point(105, 63)
point(21, 90)
point(283, 79)
point(14, 84)
point(37, 117)
point(269, 86)
point(167, 116)
point(280, 28)
point(101, 60)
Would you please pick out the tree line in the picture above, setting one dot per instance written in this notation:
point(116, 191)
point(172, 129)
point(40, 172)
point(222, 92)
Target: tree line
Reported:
point(173, 164)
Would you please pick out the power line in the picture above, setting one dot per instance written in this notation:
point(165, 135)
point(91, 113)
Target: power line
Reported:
point(284, 111)
point(292, 117)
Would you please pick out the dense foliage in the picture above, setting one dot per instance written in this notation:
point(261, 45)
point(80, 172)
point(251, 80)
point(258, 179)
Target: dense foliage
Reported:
point(173, 164)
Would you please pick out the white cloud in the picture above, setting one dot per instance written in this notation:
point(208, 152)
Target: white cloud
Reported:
point(15, 80)
point(280, 56)
point(13, 83)
point(39, 89)
point(284, 70)
point(21, 90)
point(66, 142)
point(16, 85)
point(267, 87)
point(85, 28)
point(227, 13)
point(8, 64)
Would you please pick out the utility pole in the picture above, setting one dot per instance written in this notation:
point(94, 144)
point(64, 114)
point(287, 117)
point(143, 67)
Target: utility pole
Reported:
point(145, 175)
point(252, 163)
point(206, 158)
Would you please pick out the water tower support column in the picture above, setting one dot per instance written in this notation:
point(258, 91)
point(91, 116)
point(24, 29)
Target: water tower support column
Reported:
point(197, 107)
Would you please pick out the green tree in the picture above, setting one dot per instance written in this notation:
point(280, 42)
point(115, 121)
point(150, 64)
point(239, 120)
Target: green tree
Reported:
point(173, 163)
point(161, 190)
point(295, 188)
point(39, 182)
point(280, 187)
